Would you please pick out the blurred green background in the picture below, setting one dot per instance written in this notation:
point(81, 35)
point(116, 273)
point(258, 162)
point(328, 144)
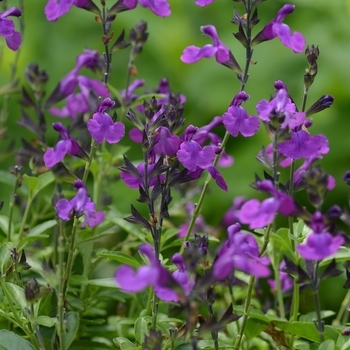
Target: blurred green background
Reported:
point(208, 86)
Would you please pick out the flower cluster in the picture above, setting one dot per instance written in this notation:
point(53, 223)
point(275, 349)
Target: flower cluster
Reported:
point(7, 28)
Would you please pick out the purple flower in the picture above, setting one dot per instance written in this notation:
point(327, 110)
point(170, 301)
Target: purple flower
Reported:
point(258, 215)
point(278, 29)
point(236, 118)
point(101, 125)
point(220, 181)
point(159, 7)
point(57, 8)
point(68, 145)
point(166, 142)
point(303, 145)
point(281, 104)
point(80, 205)
point(204, 2)
point(7, 28)
point(191, 154)
point(240, 252)
point(193, 53)
point(166, 286)
point(320, 244)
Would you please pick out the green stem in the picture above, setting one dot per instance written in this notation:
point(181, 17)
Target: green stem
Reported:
point(154, 312)
point(320, 324)
point(279, 293)
point(60, 296)
point(70, 257)
point(11, 207)
point(24, 219)
point(338, 320)
point(91, 156)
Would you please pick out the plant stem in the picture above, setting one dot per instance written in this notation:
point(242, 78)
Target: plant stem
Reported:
point(12, 201)
point(70, 257)
point(24, 219)
point(319, 324)
point(341, 313)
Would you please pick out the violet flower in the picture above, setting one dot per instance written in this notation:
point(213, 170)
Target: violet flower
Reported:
point(80, 205)
point(303, 145)
point(57, 8)
point(68, 145)
point(236, 118)
point(240, 252)
point(231, 216)
point(282, 105)
point(204, 2)
point(276, 28)
point(258, 215)
point(7, 28)
point(101, 125)
point(319, 244)
point(166, 286)
point(193, 53)
point(287, 282)
point(159, 7)
point(166, 142)
point(191, 154)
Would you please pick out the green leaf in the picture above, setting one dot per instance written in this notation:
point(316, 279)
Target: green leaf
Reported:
point(309, 317)
point(46, 321)
point(4, 224)
point(254, 327)
point(43, 181)
point(184, 347)
point(31, 182)
point(41, 228)
point(124, 343)
point(120, 257)
point(5, 255)
point(327, 345)
point(104, 282)
point(9, 179)
point(140, 329)
point(133, 230)
point(342, 255)
point(72, 327)
point(17, 295)
point(10, 340)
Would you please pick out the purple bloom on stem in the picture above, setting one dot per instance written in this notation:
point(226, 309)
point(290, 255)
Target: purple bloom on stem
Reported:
point(7, 28)
point(57, 8)
point(166, 142)
point(159, 7)
point(236, 118)
point(303, 145)
point(231, 215)
point(204, 2)
point(101, 125)
point(193, 53)
point(287, 282)
point(79, 205)
point(220, 181)
point(319, 244)
point(240, 252)
point(258, 215)
point(68, 145)
point(276, 28)
point(191, 154)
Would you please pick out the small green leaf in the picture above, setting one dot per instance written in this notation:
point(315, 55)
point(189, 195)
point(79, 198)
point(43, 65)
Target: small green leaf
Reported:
point(46, 321)
point(327, 345)
point(254, 327)
point(41, 228)
point(4, 224)
point(43, 181)
point(5, 254)
point(124, 343)
point(121, 257)
point(184, 347)
point(72, 327)
point(17, 295)
point(104, 282)
point(140, 329)
point(10, 340)
point(133, 230)
point(30, 181)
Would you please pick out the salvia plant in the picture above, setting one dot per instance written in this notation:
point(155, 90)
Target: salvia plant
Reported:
point(78, 272)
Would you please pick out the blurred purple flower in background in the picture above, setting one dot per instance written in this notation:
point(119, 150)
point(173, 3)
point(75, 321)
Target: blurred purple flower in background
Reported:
point(204, 2)
point(7, 28)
